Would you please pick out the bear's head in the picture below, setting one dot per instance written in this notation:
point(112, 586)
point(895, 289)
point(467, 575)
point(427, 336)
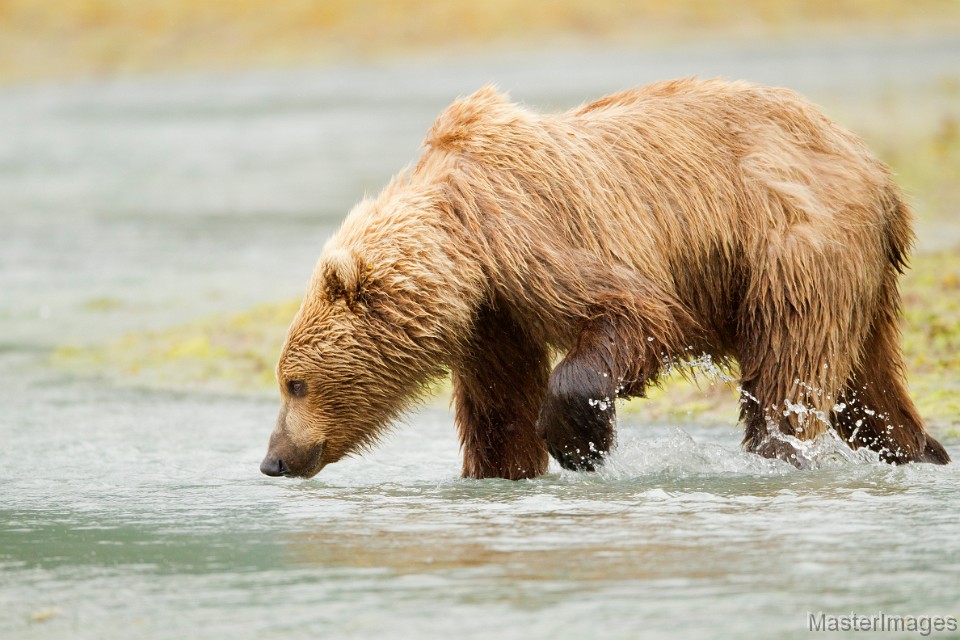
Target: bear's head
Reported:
point(376, 324)
point(328, 372)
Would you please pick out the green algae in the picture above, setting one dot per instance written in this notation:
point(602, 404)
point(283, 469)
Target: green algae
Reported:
point(235, 352)
point(103, 304)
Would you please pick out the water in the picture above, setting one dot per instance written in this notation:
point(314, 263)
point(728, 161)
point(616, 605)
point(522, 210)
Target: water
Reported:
point(141, 514)
point(136, 513)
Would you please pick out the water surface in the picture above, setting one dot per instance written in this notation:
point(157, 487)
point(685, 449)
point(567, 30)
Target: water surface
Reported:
point(141, 514)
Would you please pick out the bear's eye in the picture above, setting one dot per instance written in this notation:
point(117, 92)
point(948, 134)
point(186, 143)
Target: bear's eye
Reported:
point(297, 388)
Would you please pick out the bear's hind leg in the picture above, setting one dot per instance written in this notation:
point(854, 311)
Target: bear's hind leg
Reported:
point(805, 326)
point(765, 424)
point(792, 367)
point(498, 387)
point(875, 410)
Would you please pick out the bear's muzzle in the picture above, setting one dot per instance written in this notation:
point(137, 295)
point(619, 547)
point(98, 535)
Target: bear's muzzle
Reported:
point(285, 460)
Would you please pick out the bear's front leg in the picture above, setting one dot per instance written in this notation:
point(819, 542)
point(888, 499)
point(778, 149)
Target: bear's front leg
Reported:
point(578, 417)
point(498, 388)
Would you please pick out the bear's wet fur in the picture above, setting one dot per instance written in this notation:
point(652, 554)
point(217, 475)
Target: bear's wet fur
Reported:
point(684, 217)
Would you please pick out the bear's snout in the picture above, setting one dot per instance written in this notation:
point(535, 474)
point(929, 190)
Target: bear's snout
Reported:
point(284, 458)
point(274, 467)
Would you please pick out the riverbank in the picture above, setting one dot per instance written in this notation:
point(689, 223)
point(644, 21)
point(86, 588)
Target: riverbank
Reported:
point(63, 39)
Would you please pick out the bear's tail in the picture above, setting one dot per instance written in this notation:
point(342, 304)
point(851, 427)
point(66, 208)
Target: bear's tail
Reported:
point(900, 235)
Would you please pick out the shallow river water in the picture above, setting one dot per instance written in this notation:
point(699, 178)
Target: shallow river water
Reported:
point(128, 513)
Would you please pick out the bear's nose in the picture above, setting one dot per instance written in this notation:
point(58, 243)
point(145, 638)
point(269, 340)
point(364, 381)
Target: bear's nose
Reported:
point(274, 467)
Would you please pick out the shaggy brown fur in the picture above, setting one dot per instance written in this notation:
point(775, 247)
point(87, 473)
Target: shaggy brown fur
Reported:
point(681, 218)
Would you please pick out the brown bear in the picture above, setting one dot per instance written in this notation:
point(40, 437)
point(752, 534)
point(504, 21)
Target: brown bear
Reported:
point(682, 218)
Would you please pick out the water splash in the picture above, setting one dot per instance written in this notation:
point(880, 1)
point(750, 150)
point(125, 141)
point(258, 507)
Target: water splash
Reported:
point(601, 403)
point(825, 449)
point(679, 454)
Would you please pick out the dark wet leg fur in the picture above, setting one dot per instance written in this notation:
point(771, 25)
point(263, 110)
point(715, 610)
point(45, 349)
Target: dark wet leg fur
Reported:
point(885, 420)
point(879, 413)
point(578, 417)
point(757, 436)
point(497, 392)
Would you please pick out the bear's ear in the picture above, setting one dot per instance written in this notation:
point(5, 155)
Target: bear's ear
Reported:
point(344, 276)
